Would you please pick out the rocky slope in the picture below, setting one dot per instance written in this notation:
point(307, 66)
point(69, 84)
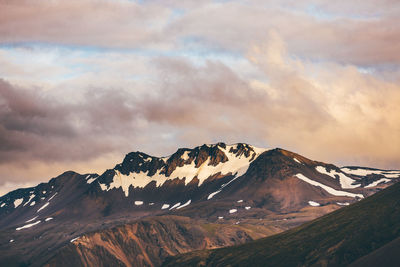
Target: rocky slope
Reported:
point(369, 228)
point(149, 241)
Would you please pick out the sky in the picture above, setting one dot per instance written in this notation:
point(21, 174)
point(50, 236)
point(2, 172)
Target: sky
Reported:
point(83, 82)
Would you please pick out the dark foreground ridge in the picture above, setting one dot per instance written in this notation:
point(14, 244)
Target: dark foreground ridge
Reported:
point(363, 234)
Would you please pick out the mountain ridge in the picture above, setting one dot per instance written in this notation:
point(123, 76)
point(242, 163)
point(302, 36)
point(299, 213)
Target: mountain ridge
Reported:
point(210, 184)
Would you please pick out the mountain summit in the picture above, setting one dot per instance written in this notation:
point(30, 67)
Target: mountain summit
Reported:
point(239, 190)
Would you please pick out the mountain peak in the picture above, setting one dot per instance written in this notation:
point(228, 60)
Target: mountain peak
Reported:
point(139, 169)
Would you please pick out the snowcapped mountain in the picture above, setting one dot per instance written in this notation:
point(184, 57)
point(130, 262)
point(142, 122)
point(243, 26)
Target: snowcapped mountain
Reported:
point(219, 184)
point(192, 166)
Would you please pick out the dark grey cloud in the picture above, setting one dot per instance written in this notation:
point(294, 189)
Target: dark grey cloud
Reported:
point(38, 126)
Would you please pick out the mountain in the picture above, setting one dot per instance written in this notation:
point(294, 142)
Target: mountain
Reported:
point(366, 233)
point(240, 190)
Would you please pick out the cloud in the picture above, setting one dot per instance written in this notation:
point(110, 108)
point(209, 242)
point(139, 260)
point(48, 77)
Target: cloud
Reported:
point(123, 23)
point(93, 80)
point(35, 126)
point(349, 32)
point(324, 110)
point(328, 111)
point(7, 187)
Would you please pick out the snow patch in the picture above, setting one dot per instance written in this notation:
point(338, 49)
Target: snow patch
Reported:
point(18, 202)
point(298, 161)
point(185, 155)
point(328, 189)
point(74, 239)
point(44, 192)
point(138, 202)
point(313, 203)
point(32, 219)
point(184, 205)
point(32, 204)
point(2, 205)
point(365, 172)
point(29, 200)
point(323, 170)
point(52, 196)
point(345, 182)
point(91, 180)
point(125, 181)
point(27, 225)
point(42, 207)
point(234, 178)
point(176, 205)
point(247, 208)
point(210, 196)
point(361, 172)
point(151, 204)
point(232, 211)
point(383, 180)
point(240, 201)
point(49, 219)
point(11, 240)
point(343, 203)
point(220, 217)
point(391, 175)
point(104, 187)
point(165, 206)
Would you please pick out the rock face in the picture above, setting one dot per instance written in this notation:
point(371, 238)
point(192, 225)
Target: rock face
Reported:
point(147, 242)
point(225, 185)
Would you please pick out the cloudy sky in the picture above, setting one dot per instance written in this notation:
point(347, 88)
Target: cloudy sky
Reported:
point(83, 82)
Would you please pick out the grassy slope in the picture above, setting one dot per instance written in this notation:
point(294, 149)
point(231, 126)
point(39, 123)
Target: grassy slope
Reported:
point(336, 239)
